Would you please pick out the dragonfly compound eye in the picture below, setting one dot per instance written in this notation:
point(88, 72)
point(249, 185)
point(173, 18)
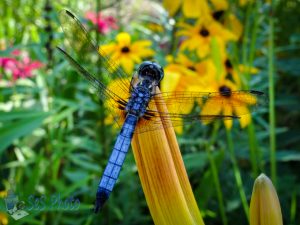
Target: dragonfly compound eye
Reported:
point(151, 69)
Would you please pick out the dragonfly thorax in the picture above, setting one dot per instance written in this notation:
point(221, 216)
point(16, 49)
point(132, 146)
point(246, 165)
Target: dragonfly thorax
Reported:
point(138, 101)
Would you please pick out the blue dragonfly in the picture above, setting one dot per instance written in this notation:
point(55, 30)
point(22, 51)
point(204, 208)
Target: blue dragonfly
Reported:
point(133, 101)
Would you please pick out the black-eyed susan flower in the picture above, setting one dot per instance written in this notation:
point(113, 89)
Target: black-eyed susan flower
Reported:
point(190, 9)
point(264, 206)
point(126, 53)
point(229, 20)
point(164, 179)
point(232, 104)
point(198, 37)
point(183, 74)
point(234, 73)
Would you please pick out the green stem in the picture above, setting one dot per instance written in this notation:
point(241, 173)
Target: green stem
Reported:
point(251, 31)
point(293, 210)
point(237, 174)
point(272, 98)
point(246, 34)
point(253, 149)
point(254, 33)
point(215, 173)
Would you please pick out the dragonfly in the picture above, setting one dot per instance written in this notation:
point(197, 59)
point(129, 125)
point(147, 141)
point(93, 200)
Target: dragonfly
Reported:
point(133, 101)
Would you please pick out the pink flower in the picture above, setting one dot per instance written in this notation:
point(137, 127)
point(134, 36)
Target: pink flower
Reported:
point(20, 65)
point(103, 23)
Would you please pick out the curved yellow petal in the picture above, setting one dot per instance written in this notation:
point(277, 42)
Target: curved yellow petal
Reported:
point(127, 64)
point(164, 180)
point(227, 110)
point(141, 44)
point(108, 48)
point(170, 80)
point(171, 6)
point(220, 4)
point(234, 25)
point(210, 108)
point(245, 115)
point(123, 39)
point(195, 8)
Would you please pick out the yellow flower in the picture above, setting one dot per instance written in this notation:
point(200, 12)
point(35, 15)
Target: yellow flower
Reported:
point(264, 206)
point(127, 53)
point(190, 8)
point(229, 20)
point(229, 104)
point(234, 73)
point(164, 179)
point(199, 36)
point(184, 74)
point(3, 219)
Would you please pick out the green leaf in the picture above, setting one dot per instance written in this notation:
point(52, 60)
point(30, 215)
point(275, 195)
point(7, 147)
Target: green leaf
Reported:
point(16, 124)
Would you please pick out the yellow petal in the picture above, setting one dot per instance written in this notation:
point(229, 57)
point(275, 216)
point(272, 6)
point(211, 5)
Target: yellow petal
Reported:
point(264, 206)
point(123, 39)
point(164, 180)
point(195, 8)
point(227, 110)
point(210, 108)
point(170, 81)
point(127, 64)
point(245, 115)
point(108, 49)
point(220, 4)
point(171, 6)
point(234, 25)
point(141, 44)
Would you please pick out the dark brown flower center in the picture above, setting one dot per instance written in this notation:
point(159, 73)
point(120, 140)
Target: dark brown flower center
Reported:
point(125, 49)
point(228, 64)
point(192, 68)
point(225, 91)
point(217, 15)
point(204, 32)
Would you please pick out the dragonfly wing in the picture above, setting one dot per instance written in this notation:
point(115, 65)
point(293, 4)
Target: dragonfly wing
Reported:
point(81, 47)
point(172, 109)
point(113, 102)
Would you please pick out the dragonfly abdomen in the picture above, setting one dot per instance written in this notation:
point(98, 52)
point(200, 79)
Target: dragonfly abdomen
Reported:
point(115, 162)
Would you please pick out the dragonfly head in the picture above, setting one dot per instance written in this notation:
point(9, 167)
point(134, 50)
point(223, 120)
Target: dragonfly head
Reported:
point(150, 72)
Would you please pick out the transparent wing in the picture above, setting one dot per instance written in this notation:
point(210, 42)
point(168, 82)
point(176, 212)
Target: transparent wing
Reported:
point(112, 102)
point(94, 66)
point(83, 49)
point(172, 109)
